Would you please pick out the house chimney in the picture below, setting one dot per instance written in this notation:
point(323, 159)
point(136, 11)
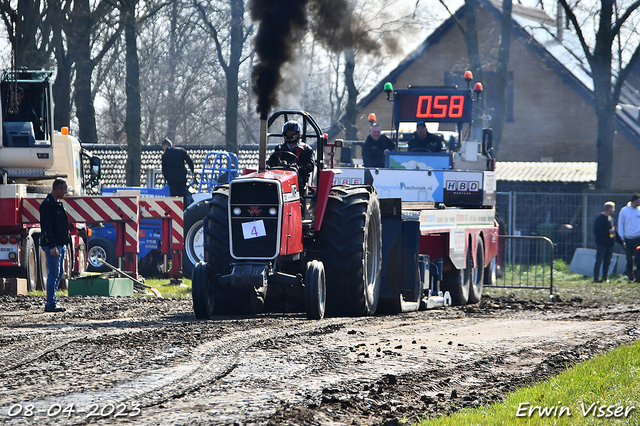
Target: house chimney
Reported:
point(559, 21)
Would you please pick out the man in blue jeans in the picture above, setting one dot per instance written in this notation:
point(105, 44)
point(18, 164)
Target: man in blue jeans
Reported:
point(629, 231)
point(54, 226)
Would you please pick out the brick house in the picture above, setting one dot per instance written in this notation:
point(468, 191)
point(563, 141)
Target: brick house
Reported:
point(551, 116)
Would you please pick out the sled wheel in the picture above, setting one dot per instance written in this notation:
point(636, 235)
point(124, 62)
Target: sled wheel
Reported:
point(491, 273)
point(477, 275)
point(458, 281)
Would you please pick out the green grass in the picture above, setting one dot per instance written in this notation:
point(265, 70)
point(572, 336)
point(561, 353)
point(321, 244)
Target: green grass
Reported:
point(569, 285)
point(167, 291)
point(171, 291)
point(610, 379)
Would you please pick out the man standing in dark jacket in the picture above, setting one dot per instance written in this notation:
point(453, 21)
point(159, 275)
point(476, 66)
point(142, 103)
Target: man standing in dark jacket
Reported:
point(54, 226)
point(173, 161)
point(604, 231)
point(375, 147)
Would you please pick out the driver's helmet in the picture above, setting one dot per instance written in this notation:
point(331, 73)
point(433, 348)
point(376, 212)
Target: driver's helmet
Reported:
point(288, 126)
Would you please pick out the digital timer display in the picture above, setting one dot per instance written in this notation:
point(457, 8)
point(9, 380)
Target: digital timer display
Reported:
point(435, 105)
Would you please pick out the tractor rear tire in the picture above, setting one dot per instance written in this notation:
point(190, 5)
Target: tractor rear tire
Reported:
point(193, 237)
point(202, 292)
point(315, 290)
point(477, 276)
point(351, 251)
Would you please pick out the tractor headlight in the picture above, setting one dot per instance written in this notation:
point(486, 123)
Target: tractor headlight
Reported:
point(237, 211)
point(273, 211)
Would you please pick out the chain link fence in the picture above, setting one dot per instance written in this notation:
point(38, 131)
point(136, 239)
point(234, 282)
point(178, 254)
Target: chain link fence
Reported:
point(566, 219)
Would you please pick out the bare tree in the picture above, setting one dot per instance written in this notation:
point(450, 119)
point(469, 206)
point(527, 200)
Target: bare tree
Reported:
point(32, 47)
point(229, 47)
point(77, 49)
point(366, 36)
point(132, 90)
point(499, 104)
point(600, 58)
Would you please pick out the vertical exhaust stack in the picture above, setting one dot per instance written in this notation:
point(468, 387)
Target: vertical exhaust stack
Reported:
point(262, 149)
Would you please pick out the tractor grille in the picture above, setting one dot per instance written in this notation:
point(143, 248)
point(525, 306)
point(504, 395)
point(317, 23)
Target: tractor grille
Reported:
point(255, 231)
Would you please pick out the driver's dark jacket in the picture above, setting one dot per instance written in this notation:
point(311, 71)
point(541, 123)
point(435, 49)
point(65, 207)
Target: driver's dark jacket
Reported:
point(305, 160)
point(54, 223)
point(431, 143)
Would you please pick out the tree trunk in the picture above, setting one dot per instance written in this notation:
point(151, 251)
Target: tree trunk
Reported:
point(605, 104)
point(471, 40)
point(498, 116)
point(85, 110)
point(606, 132)
point(132, 120)
point(79, 33)
point(62, 92)
point(351, 131)
point(237, 40)
point(172, 116)
point(62, 85)
point(606, 113)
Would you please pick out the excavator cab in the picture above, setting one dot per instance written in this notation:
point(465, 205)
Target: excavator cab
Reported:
point(27, 120)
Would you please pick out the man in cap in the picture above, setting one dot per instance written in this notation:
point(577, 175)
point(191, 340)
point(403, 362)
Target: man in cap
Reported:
point(425, 141)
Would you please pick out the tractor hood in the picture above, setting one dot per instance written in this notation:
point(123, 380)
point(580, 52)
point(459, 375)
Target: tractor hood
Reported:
point(288, 180)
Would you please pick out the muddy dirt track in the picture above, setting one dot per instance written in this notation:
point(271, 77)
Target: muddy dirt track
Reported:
point(148, 361)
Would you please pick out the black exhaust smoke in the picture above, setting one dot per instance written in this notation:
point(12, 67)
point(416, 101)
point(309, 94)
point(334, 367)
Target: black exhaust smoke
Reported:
point(282, 23)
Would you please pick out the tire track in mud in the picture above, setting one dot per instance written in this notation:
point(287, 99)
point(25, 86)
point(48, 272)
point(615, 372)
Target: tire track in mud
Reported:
point(211, 361)
point(36, 342)
point(287, 369)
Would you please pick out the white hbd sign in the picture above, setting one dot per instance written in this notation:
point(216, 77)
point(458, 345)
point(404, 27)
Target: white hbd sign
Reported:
point(253, 229)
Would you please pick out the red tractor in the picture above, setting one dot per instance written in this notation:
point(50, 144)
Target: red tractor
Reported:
point(269, 246)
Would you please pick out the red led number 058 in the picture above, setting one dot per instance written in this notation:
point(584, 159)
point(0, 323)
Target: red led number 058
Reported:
point(440, 106)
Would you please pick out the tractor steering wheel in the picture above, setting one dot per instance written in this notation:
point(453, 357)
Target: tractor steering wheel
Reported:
point(285, 163)
point(420, 150)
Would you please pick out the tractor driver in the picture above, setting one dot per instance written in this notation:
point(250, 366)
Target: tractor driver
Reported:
point(425, 141)
point(303, 154)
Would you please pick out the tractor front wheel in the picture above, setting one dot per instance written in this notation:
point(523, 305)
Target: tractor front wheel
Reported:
point(314, 290)
point(202, 292)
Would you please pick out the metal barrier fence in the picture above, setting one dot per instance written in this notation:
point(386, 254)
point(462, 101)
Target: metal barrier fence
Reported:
point(525, 262)
point(566, 219)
